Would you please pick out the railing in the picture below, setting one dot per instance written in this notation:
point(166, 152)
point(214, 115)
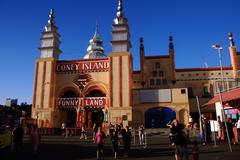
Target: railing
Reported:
point(228, 85)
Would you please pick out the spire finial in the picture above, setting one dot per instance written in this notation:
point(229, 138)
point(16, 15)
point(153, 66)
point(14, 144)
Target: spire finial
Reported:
point(96, 34)
point(141, 43)
point(120, 9)
point(51, 17)
point(231, 40)
point(171, 42)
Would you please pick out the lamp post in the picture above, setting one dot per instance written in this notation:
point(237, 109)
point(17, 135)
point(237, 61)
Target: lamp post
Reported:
point(219, 48)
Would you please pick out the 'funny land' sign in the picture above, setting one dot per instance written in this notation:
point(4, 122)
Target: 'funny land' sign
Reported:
point(80, 66)
point(74, 102)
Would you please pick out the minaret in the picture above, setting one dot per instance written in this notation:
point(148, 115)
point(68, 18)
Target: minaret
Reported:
point(142, 58)
point(171, 54)
point(121, 69)
point(120, 32)
point(233, 54)
point(95, 48)
point(45, 76)
point(50, 40)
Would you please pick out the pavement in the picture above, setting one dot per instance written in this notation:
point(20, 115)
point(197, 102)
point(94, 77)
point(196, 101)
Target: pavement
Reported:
point(72, 148)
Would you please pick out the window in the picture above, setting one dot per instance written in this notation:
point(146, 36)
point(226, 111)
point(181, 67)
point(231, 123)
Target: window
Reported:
point(164, 81)
point(160, 73)
point(197, 74)
point(204, 74)
point(157, 65)
point(219, 73)
point(152, 82)
point(189, 74)
point(183, 91)
point(158, 82)
point(182, 75)
point(206, 91)
point(190, 92)
point(212, 73)
point(227, 73)
point(154, 73)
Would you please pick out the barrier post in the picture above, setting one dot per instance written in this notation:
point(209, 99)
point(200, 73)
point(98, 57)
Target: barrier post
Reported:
point(134, 137)
point(145, 137)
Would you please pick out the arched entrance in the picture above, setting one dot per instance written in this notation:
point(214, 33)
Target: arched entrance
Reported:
point(70, 114)
point(94, 115)
point(158, 117)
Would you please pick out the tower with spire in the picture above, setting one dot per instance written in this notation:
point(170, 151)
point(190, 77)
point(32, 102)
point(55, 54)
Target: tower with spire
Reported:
point(172, 59)
point(45, 75)
point(50, 40)
point(95, 48)
point(120, 32)
point(233, 55)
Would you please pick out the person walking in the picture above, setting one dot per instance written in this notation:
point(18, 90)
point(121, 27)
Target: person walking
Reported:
point(63, 128)
point(195, 151)
point(95, 129)
point(220, 128)
point(141, 134)
point(115, 141)
point(83, 133)
point(126, 141)
point(35, 137)
point(100, 136)
point(238, 129)
point(181, 146)
point(172, 133)
point(18, 137)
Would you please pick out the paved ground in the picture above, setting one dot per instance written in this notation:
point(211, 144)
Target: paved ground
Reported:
point(59, 148)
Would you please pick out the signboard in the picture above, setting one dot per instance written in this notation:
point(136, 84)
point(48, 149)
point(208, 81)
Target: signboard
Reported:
point(75, 102)
point(214, 126)
point(80, 66)
point(155, 95)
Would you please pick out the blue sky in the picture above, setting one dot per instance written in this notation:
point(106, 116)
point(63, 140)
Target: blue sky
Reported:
point(194, 24)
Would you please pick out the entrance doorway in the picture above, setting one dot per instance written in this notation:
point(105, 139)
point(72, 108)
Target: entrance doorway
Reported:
point(70, 114)
point(158, 117)
point(94, 115)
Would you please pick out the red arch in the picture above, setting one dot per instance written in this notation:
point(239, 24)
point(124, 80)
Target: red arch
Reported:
point(95, 88)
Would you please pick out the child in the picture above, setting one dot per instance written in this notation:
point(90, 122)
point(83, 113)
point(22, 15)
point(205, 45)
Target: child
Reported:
point(195, 151)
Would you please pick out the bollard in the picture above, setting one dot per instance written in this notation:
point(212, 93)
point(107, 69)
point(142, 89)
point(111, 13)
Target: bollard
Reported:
point(134, 137)
point(145, 138)
point(66, 134)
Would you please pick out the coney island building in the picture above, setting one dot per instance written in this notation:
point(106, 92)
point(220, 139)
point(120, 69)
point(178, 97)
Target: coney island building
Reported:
point(102, 87)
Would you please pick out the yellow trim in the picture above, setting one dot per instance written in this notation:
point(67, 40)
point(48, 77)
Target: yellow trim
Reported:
point(116, 54)
point(45, 59)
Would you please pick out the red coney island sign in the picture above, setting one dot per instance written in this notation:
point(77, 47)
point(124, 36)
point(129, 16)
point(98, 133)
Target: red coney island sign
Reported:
point(79, 66)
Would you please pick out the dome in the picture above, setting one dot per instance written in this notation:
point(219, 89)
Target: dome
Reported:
point(95, 48)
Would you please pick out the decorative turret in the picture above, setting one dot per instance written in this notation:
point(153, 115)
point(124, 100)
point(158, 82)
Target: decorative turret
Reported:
point(95, 48)
point(120, 32)
point(171, 54)
point(171, 46)
point(142, 54)
point(50, 40)
point(233, 55)
point(231, 40)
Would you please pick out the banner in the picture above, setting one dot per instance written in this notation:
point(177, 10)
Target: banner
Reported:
point(75, 102)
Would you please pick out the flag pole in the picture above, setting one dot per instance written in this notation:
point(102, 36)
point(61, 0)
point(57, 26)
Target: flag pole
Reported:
point(224, 119)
